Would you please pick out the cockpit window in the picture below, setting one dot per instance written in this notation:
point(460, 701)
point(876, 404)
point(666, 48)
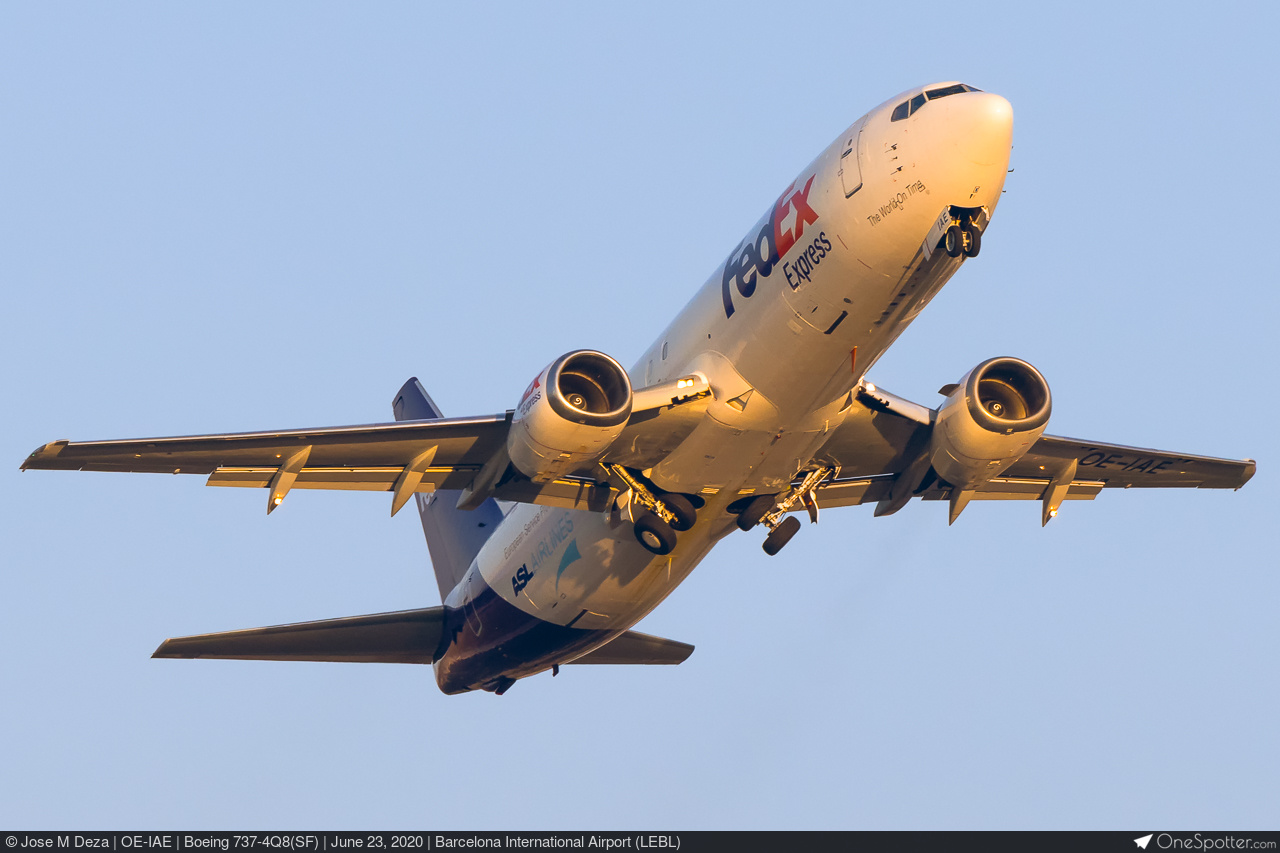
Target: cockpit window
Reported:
point(957, 89)
point(907, 108)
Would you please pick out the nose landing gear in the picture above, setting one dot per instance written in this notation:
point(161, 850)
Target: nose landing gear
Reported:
point(962, 238)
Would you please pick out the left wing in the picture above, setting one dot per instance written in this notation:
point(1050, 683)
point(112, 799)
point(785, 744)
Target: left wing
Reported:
point(874, 450)
point(1119, 466)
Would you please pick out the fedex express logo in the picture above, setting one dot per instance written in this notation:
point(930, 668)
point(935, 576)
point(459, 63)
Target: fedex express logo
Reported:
point(757, 256)
point(531, 395)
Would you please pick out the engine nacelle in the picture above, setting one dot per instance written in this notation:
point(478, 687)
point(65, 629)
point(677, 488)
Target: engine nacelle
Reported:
point(569, 415)
point(989, 421)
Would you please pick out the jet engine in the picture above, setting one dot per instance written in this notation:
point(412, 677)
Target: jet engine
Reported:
point(990, 419)
point(569, 415)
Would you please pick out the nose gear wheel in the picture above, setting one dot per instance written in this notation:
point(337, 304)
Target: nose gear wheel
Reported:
point(963, 237)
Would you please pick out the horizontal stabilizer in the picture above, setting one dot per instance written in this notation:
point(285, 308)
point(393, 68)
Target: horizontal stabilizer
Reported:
point(406, 636)
point(634, 647)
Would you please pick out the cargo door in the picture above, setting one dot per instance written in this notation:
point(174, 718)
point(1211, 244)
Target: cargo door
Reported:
point(850, 161)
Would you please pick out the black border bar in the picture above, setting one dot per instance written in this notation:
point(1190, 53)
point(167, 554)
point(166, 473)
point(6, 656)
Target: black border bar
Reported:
point(655, 841)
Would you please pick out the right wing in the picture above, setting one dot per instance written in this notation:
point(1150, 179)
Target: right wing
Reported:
point(369, 457)
point(405, 457)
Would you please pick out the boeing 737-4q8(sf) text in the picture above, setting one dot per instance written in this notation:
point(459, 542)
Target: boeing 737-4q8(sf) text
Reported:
point(555, 527)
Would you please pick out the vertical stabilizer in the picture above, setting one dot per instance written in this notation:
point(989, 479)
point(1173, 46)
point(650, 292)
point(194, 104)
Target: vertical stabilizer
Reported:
point(454, 536)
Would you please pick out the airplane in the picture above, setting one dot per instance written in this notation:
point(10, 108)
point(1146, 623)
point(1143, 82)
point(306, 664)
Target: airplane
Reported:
point(554, 527)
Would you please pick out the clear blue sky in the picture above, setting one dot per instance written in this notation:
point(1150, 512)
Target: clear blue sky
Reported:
point(235, 216)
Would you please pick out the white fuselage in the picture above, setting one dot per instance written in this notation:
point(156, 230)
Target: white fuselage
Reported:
point(783, 331)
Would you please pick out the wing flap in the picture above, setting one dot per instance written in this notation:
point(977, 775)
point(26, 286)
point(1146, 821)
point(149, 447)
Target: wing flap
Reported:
point(854, 492)
point(1028, 489)
point(634, 647)
point(381, 479)
point(406, 636)
point(565, 493)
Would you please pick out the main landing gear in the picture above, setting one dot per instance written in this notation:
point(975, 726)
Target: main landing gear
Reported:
point(772, 511)
point(962, 238)
point(658, 515)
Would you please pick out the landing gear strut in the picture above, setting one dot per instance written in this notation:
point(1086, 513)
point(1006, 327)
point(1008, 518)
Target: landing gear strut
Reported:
point(662, 514)
point(770, 511)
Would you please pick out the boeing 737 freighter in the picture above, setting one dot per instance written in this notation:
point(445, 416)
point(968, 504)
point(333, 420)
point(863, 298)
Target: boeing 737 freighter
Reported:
point(555, 527)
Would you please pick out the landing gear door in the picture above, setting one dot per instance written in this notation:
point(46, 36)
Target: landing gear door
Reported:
point(850, 157)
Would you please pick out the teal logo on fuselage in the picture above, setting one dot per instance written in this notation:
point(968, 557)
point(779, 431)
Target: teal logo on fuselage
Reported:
point(554, 534)
point(571, 555)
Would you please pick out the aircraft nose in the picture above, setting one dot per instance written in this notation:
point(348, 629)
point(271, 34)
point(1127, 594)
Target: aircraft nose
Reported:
point(982, 129)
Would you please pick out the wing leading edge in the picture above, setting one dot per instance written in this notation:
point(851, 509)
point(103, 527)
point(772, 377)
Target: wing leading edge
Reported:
point(404, 457)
